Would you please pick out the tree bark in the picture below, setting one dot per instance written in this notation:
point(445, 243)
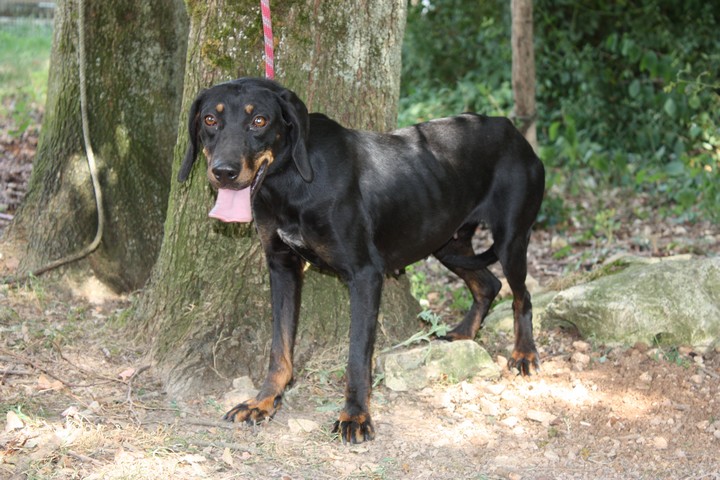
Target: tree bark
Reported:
point(134, 61)
point(523, 69)
point(207, 307)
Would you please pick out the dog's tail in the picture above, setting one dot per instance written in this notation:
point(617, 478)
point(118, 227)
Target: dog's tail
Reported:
point(474, 262)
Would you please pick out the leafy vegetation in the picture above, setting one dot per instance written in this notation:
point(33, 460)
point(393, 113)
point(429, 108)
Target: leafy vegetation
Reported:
point(628, 92)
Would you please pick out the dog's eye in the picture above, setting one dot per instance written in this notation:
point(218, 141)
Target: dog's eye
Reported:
point(210, 120)
point(259, 121)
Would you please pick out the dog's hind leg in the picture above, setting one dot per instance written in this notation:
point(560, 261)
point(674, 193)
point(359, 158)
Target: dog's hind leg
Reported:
point(512, 253)
point(483, 285)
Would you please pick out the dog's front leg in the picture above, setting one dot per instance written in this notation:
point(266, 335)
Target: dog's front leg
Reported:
point(354, 424)
point(285, 285)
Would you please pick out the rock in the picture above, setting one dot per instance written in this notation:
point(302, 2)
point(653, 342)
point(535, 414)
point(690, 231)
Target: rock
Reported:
point(703, 425)
point(581, 346)
point(488, 407)
point(541, 417)
point(581, 358)
point(500, 318)
point(551, 455)
point(509, 422)
point(671, 302)
point(495, 388)
point(243, 383)
point(243, 389)
point(660, 443)
point(455, 361)
point(502, 362)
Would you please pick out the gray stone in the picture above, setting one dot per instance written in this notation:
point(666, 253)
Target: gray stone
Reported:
point(500, 318)
point(675, 302)
point(448, 361)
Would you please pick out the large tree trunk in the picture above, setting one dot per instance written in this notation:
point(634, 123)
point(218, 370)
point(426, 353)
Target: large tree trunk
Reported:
point(523, 69)
point(207, 307)
point(134, 62)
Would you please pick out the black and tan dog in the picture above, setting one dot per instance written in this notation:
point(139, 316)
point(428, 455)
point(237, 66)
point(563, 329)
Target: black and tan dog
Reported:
point(363, 205)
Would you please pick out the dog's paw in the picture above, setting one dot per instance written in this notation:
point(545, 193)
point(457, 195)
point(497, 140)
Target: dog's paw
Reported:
point(525, 362)
point(354, 428)
point(254, 411)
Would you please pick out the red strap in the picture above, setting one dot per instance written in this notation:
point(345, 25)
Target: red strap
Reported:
point(267, 32)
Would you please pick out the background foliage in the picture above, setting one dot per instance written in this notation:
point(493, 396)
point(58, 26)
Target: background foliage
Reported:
point(628, 91)
point(24, 64)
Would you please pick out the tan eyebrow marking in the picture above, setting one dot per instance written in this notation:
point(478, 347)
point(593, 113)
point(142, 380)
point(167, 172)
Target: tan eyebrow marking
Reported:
point(220, 107)
point(249, 108)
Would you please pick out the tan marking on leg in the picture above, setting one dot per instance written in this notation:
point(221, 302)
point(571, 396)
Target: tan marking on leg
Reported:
point(344, 417)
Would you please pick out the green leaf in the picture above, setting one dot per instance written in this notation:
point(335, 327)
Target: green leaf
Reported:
point(649, 63)
point(670, 107)
point(694, 102)
point(634, 89)
point(675, 168)
point(553, 131)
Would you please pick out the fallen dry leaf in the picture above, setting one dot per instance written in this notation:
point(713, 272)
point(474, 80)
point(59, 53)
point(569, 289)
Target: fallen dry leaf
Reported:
point(46, 383)
point(126, 374)
point(14, 422)
point(298, 425)
point(70, 412)
point(227, 457)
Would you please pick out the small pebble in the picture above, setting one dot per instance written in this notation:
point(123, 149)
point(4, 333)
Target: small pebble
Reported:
point(660, 443)
point(581, 346)
point(581, 358)
point(502, 362)
point(702, 425)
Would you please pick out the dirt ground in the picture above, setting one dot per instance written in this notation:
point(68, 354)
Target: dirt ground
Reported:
point(79, 400)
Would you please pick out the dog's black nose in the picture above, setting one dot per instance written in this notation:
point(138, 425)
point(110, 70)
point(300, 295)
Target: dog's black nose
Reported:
point(225, 175)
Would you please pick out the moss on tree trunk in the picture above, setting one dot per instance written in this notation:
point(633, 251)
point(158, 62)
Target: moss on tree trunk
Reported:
point(135, 54)
point(207, 307)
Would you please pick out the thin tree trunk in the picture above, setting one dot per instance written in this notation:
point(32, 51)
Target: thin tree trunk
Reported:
point(207, 308)
point(523, 69)
point(134, 61)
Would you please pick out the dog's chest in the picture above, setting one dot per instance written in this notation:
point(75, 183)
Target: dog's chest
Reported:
point(294, 239)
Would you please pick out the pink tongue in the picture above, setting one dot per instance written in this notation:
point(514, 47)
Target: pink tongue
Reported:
point(232, 206)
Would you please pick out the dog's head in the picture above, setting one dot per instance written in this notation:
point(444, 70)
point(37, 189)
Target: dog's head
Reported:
point(244, 126)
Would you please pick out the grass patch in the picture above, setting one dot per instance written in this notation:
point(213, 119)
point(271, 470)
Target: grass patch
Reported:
point(24, 66)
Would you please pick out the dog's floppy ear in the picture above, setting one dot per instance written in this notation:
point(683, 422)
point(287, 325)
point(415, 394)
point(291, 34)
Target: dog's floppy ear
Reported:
point(296, 117)
point(193, 124)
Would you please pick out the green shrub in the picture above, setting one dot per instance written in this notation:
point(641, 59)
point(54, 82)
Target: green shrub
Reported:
point(627, 92)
